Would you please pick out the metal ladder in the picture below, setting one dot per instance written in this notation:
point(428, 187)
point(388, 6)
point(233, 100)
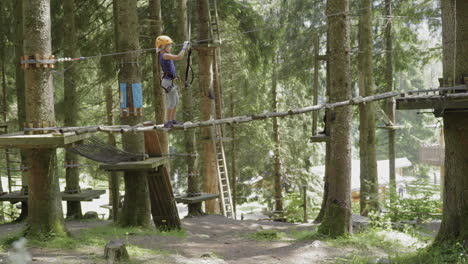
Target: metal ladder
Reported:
point(223, 178)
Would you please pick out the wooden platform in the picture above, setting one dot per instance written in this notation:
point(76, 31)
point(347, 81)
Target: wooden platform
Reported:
point(319, 138)
point(55, 140)
point(196, 199)
point(85, 195)
point(445, 102)
point(394, 127)
point(148, 164)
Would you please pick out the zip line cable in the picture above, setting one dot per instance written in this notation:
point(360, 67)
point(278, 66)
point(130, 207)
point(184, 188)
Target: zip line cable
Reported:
point(49, 61)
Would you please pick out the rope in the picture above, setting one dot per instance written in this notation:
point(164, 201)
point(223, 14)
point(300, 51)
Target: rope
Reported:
point(196, 41)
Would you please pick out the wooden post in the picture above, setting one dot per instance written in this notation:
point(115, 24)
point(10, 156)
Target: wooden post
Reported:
point(163, 206)
point(304, 189)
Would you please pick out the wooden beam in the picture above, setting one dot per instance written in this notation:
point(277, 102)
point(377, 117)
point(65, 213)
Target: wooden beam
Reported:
point(319, 138)
point(84, 195)
point(144, 165)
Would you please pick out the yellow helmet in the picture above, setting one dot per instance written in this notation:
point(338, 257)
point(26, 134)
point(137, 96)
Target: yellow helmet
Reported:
point(163, 41)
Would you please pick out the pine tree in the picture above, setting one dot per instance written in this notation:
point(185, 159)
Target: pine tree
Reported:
point(210, 180)
point(136, 208)
point(193, 181)
point(337, 218)
point(71, 110)
point(454, 225)
point(44, 200)
point(369, 192)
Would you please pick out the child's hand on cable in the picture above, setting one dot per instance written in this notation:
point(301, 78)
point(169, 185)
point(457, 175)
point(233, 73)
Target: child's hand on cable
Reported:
point(186, 45)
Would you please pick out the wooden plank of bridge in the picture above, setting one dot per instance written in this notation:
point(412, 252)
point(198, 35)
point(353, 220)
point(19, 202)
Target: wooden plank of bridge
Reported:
point(147, 164)
point(163, 205)
point(196, 199)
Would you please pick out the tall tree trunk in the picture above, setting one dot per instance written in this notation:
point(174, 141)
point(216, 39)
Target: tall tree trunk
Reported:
point(210, 179)
point(337, 219)
point(158, 93)
point(233, 153)
point(45, 207)
point(136, 208)
point(369, 192)
point(454, 225)
point(193, 181)
point(71, 111)
point(114, 177)
point(21, 97)
point(391, 102)
point(2, 58)
point(276, 138)
point(327, 119)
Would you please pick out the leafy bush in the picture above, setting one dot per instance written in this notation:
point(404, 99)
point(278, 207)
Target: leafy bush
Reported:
point(295, 207)
point(422, 205)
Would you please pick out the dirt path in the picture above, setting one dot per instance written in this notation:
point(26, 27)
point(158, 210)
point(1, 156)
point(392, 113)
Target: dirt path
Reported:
point(210, 239)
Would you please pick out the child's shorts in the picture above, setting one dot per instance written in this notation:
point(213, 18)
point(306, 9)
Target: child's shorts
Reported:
point(172, 97)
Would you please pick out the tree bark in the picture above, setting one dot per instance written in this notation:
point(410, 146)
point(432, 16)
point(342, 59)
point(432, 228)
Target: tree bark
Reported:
point(210, 179)
point(193, 179)
point(276, 138)
point(233, 153)
point(159, 96)
point(391, 102)
point(337, 218)
point(136, 208)
point(2, 58)
point(369, 192)
point(454, 225)
point(114, 177)
point(21, 97)
point(45, 207)
point(327, 118)
point(71, 110)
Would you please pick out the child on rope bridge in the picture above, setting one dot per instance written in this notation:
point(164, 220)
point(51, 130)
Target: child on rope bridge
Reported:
point(166, 60)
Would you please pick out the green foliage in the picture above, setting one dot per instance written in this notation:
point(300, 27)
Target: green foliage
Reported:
point(423, 204)
point(453, 254)
point(267, 235)
point(294, 208)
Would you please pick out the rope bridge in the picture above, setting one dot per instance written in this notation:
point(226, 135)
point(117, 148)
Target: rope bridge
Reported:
point(98, 150)
point(461, 95)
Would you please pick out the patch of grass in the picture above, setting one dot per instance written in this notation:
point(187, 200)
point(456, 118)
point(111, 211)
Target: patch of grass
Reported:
point(307, 235)
point(267, 235)
point(455, 254)
point(370, 238)
point(138, 251)
point(8, 241)
point(97, 236)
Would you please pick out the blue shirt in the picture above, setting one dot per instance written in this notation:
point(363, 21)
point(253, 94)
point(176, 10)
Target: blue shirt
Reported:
point(168, 67)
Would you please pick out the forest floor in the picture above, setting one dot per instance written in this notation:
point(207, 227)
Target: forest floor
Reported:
point(214, 239)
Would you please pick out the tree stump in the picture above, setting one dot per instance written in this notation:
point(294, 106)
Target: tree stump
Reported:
point(91, 215)
point(115, 251)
